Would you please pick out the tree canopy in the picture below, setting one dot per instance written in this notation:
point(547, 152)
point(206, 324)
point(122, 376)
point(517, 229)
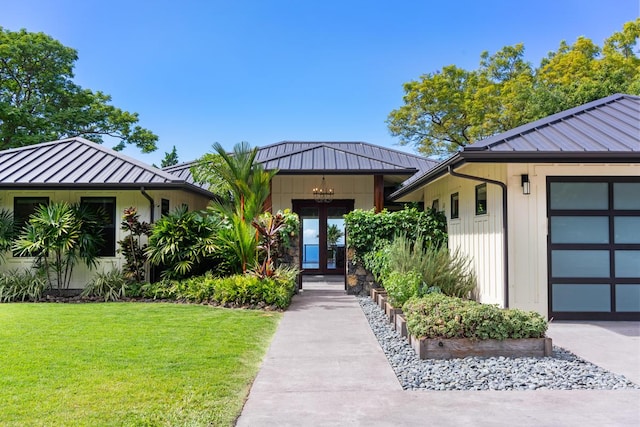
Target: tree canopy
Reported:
point(448, 109)
point(170, 158)
point(40, 102)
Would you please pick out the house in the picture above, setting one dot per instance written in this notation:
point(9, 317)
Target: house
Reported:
point(78, 170)
point(549, 212)
point(322, 181)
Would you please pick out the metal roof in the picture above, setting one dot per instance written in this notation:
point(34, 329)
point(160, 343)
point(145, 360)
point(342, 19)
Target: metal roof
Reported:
point(77, 162)
point(299, 157)
point(605, 130)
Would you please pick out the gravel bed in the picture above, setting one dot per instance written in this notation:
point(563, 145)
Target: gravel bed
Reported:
point(562, 371)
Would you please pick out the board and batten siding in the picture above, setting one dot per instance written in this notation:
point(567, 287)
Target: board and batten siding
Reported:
point(285, 188)
point(124, 199)
point(479, 237)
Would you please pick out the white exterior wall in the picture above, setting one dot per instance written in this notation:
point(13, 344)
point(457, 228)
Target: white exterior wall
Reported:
point(479, 237)
point(285, 188)
point(528, 226)
point(124, 199)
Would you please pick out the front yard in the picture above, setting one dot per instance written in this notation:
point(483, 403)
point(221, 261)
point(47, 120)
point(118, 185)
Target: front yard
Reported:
point(128, 363)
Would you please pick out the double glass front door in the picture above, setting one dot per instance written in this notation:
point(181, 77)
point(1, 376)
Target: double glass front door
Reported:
point(322, 238)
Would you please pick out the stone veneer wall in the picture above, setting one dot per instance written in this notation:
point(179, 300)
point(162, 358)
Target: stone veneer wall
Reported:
point(359, 280)
point(292, 257)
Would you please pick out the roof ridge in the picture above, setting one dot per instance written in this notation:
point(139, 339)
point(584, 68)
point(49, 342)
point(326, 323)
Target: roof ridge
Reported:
point(320, 145)
point(314, 144)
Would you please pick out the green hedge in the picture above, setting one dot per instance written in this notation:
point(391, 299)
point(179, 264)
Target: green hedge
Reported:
point(239, 290)
point(368, 231)
point(440, 316)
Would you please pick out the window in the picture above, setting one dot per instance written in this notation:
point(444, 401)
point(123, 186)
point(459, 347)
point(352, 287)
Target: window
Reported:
point(481, 199)
point(435, 205)
point(164, 207)
point(24, 207)
point(106, 205)
point(455, 206)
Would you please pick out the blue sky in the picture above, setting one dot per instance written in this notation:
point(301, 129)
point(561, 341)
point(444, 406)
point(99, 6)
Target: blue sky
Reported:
point(199, 72)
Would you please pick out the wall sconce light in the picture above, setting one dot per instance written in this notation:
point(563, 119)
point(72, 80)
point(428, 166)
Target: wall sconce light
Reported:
point(526, 185)
point(323, 194)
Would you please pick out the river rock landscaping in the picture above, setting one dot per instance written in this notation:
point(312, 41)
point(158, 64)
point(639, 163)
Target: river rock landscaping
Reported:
point(562, 371)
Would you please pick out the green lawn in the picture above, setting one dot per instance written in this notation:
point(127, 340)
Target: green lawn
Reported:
point(131, 364)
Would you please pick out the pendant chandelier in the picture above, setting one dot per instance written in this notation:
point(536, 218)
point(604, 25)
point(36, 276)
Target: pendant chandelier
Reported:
point(323, 194)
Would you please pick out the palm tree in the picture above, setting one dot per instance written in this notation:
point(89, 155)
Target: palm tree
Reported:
point(58, 235)
point(249, 184)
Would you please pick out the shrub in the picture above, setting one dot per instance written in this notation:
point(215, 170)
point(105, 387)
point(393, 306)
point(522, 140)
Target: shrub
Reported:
point(365, 229)
point(240, 289)
point(181, 241)
point(402, 286)
point(111, 286)
point(441, 316)
point(449, 273)
point(21, 285)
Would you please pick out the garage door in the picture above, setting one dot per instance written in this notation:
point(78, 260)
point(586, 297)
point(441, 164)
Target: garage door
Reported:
point(594, 248)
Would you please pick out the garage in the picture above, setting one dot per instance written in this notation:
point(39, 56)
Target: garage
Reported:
point(594, 248)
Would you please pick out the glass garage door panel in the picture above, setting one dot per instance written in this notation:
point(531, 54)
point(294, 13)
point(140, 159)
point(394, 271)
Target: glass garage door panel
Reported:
point(627, 229)
point(627, 264)
point(579, 229)
point(579, 195)
point(628, 297)
point(579, 263)
point(626, 195)
point(590, 298)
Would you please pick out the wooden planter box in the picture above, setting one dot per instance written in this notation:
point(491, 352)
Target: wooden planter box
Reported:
point(400, 323)
point(450, 348)
point(391, 312)
point(382, 300)
point(375, 292)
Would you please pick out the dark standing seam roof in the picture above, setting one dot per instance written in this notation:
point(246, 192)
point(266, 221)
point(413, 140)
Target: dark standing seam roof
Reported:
point(611, 124)
point(605, 130)
point(291, 157)
point(79, 162)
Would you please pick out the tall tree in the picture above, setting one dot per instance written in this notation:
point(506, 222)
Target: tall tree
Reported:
point(448, 109)
point(170, 158)
point(40, 102)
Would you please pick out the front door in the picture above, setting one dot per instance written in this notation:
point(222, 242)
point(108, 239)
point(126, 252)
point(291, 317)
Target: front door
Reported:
point(322, 238)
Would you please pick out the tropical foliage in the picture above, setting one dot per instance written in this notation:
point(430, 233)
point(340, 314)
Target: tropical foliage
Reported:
point(132, 247)
point(453, 107)
point(112, 285)
point(182, 241)
point(21, 285)
point(7, 231)
point(240, 290)
point(249, 187)
point(58, 236)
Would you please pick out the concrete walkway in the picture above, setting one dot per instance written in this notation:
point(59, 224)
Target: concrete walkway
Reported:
point(325, 368)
